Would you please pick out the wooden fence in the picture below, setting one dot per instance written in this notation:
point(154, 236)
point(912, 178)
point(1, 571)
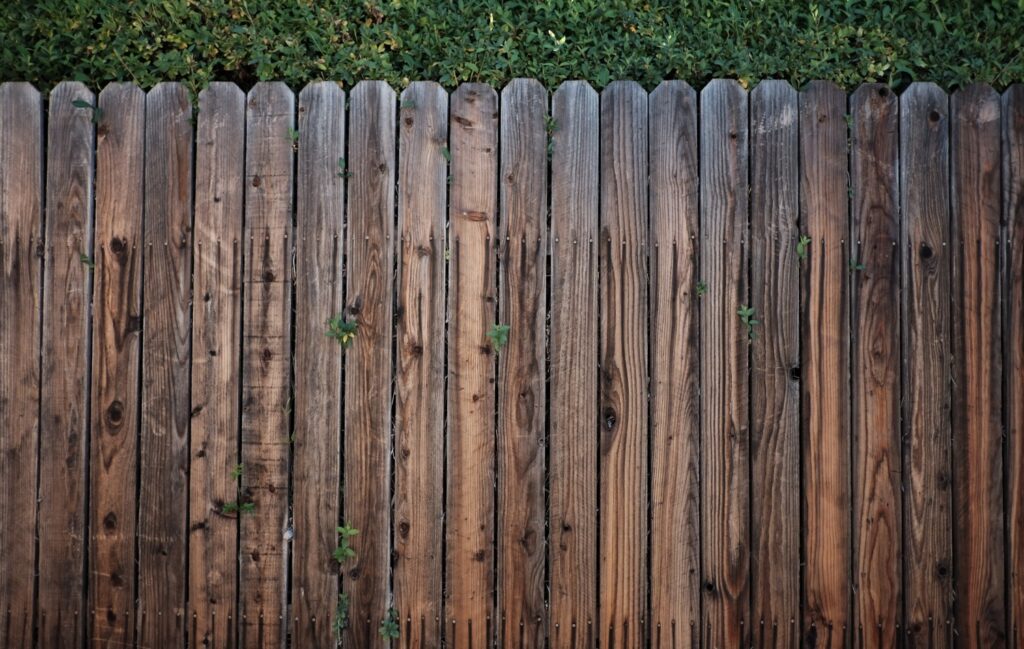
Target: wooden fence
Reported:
point(763, 383)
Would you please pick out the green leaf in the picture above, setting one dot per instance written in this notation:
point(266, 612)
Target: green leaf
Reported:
point(498, 335)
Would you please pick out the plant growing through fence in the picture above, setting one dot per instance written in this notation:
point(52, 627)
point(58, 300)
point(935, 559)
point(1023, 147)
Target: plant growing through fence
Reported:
point(498, 335)
point(802, 246)
point(236, 472)
point(236, 507)
point(446, 152)
point(343, 171)
point(389, 625)
point(87, 260)
point(344, 551)
point(340, 616)
point(749, 319)
point(550, 125)
point(856, 266)
point(293, 135)
point(342, 329)
point(97, 112)
point(702, 289)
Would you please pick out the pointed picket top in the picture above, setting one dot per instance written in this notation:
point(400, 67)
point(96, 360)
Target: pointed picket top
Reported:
point(422, 91)
point(381, 88)
point(218, 92)
point(977, 103)
point(673, 90)
point(778, 94)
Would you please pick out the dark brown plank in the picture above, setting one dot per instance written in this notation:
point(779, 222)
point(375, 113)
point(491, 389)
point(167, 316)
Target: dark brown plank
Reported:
point(472, 287)
point(166, 361)
point(266, 362)
point(369, 286)
point(675, 367)
point(875, 391)
point(117, 308)
point(522, 278)
point(1013, 309)
point(216, 353)
point(924, 199)
point(774, 381)
point(64, 414)
point(419, 384)
point(979, 553)
point(316, 459)
point(573, 367)
point(725, 345)
point(21, 222)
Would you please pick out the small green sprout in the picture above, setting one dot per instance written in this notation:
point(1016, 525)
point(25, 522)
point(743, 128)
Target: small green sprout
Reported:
point(498, 335)
point(236, 507)
point(389, 625)
point(87, 260)
point(97, 112)
point(236, 472)
point(409, 103)
point(702, 289)
point(340, 622)
point(802, 246)
point(749, 318)
point(343, 171)
point(344, 551)
point(342, 329)
point(856, 266)
point(446, 152)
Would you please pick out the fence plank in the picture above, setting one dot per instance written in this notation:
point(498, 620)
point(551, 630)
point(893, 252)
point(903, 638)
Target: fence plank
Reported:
point(472, 285)
point(117, 311)
point(369, 286)
point(1013, 355)
point(775, 387)
point(216, 354)
point(316, 464)
point(419, 382)
point(63, 408)
point(266, 362)
point(522, 280)
point(166, 361)
point(876, 365)
point(675, 367)
point(21, 222)
point(573, 362)
point(924, 197)
point(824, 207)
point(977, 383)
point(725, 344)
point(623, 388)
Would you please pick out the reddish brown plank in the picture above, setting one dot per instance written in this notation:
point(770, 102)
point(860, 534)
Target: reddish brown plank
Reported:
point(369, 285)
point(725, 345)
point(573, 367)
point(675, 367)
point(924, 199)
point(774, 382)
point(117, 309)
point(979, 553)
point(216, 352)
point(166, 361)
point(266, 362)
point(472, 287)
point(21, 222)
point(824, 207)
point(419, 382)
point(64, 414)
point(316, 463)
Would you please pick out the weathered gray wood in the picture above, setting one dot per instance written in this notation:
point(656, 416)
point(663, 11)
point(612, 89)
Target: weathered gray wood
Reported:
point(675, 366)
point(573, 366)
point(216, 364)
point(21, 278)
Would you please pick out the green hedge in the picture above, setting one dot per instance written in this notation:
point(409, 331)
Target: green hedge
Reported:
point(951, 42)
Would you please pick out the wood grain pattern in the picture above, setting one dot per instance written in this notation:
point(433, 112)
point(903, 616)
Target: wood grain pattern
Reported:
point(266, 362)
point(774, 382)
point(675, 367)
point(316, 453)
point(875, 388)
point(573, 351)
point(166, 361)
point(824, 209)
point(63, 407)
point(472, 287)
point(978, 549)
point(420, 371)
point(522, 279)
point(21, 232)
point(924, 200)
point(369, 286)
point(725, 345)
point(216, 364)
point(117, 311)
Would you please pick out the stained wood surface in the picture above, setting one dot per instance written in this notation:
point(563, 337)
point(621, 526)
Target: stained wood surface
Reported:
point(824, 209)
point(774, 381)
point(369, 284)
point(979, 553)
point(674, 366)
point(522, 278)
point(63, 403)
point(117, 327)
point(725, 348)
point(266, 363)
point(420, 370)
point(925, 252)
point(573, 350)
point(21, 232)
point(472, 297)
point(216, 365)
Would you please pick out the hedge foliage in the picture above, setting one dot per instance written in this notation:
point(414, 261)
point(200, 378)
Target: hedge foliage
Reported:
point(951, 42)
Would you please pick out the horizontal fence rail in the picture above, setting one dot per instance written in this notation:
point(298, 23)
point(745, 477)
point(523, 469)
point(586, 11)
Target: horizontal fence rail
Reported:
point(511, 368)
